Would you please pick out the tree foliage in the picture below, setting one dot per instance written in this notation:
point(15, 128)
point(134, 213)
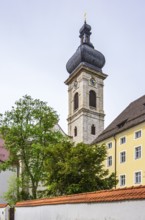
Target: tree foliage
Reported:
point(76, 169)
point(11, 195)
point(28, 131)
point(44, 156)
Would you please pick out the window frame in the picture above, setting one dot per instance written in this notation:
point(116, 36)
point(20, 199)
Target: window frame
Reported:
point(121, 142)
point(76, 101)
point(109, 161)
point(92, 99)
point(139, 177)
point(136, 134)
point(135, 153)
point(93, 129)
point(75, 131)
point(122, 180)
point(109, 143)
point(122, 158)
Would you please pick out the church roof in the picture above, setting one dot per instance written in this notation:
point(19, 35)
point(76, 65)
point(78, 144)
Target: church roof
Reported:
point(3, 205)
point(4, 154)
point(133, 115)
point(86, 54)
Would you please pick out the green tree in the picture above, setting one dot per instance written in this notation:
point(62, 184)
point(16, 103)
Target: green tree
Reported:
point(11, 195)
point(28, 131)
point(77, 169)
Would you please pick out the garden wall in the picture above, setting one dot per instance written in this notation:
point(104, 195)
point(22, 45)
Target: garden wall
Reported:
point(120, 204)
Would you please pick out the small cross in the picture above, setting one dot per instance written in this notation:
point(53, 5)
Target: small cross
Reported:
point(85, 16)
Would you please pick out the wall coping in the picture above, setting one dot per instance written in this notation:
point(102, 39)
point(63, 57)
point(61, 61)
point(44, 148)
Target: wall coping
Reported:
point(114, 195)
point(4, 205)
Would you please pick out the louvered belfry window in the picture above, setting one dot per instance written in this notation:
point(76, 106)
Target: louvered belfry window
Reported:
point(92, 99)
point(75, 131)
point(93, 130)
point(76, 101)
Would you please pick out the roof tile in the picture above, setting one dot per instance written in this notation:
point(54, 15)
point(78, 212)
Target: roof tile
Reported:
point(3, 205)
point(4, 154)
point(133, 115)
point(131, 193)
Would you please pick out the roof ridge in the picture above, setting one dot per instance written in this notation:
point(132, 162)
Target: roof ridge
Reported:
point(137, 99)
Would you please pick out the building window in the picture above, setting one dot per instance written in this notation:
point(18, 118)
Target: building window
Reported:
point(109, 161)
point(138, 152)
point(122, 157)
point(75, 131)
point(93, 130)
point(76, 101)
point(109, 145)
point(122, 180)
point(137, 177)
point(120, 125)
point(137, 134)
point(123, 140)
point(92, 99)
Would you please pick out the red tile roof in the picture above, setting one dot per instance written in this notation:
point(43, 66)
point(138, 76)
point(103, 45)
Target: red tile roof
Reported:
point(133, 115)
point(4, 154)
point(3, 205)
point(131, 193)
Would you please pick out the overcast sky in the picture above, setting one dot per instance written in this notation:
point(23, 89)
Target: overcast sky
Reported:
point(37, 37)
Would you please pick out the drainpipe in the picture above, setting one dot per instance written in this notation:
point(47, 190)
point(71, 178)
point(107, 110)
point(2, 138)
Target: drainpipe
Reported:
point(115, 168)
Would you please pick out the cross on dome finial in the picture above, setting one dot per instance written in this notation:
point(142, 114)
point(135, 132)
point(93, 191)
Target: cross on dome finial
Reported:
point(85, 17)
point(85, 33)
point(86, 54)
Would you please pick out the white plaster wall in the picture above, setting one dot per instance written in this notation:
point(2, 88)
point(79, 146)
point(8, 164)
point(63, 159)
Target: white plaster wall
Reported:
point(4, 182)
point(128, 210)
point(4, 213)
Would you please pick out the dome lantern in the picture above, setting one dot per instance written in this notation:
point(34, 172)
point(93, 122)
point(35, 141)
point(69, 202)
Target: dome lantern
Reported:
point(86, 54)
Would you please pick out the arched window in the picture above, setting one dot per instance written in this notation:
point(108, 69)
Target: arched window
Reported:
point(76, 101)
point(75, 131)
point(93, 129)
point(92, 99)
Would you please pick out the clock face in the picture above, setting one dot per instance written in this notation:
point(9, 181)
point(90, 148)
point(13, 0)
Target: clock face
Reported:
point(93, 81)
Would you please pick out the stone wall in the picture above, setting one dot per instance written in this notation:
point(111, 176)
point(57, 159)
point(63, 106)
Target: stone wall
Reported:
point(85, 116)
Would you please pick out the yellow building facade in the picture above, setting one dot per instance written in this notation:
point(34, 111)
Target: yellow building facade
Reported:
point(125, 142)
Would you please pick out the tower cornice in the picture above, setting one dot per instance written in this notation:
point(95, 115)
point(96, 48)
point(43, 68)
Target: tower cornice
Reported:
point(85, 67)
point(85, 111)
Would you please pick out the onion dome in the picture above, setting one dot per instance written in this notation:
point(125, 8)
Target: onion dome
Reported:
point(86, 54)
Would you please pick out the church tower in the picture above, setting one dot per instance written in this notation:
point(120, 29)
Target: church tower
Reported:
point(85, 90)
